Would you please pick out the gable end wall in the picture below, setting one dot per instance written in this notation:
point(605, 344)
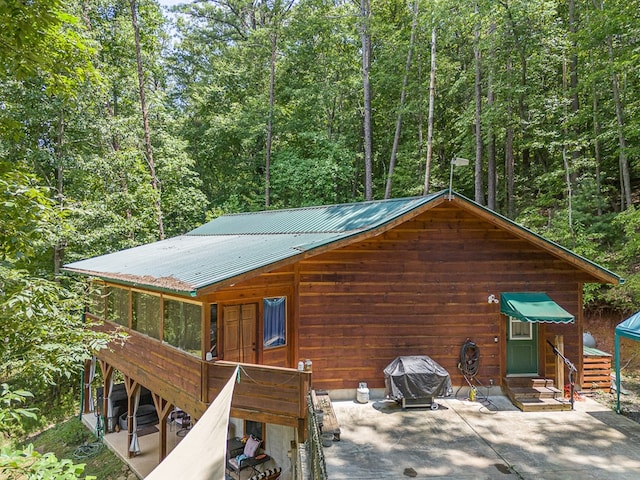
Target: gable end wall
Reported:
point(421, 289)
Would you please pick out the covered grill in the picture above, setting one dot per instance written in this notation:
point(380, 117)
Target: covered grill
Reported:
point(416, 380)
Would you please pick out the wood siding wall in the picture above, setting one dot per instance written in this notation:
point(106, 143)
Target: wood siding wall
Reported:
point(421, 289)
point(274, 284)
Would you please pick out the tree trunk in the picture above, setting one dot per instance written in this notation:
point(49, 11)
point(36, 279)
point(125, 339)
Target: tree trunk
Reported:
point(420, 112)
point(58, 248)
point(403, 95)
point(565, 160)
point(155, 185)
point(365, 12)
point(573, 75)
point(625, 176)
point(479, 187)
point(432, 97)
point(272, 83)
point(596, 149)
point(509, 157)
point(491, 149)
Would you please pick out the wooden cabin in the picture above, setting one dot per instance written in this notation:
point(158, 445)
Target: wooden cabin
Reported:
point(349, 287)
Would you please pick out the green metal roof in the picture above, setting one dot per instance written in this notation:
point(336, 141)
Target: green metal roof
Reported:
point(594, 352)
point(233, 245)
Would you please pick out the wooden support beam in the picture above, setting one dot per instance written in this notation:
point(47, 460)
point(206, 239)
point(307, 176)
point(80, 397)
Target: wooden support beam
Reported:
point(559, 343)
point(86, 408)
point(131, 387)
point(107, 373)
point(163, 408)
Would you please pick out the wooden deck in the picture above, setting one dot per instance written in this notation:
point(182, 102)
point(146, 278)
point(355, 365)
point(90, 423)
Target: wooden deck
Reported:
point(266, 394)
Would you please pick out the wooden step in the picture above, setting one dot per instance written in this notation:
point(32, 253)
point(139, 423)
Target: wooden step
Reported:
point(535, 392)
point(541, 404)
point(528, 382)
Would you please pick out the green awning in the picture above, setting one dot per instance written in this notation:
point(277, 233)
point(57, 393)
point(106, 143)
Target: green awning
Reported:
point(533, 307)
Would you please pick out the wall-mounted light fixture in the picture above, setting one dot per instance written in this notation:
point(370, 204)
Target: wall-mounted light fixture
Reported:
point(492, 299)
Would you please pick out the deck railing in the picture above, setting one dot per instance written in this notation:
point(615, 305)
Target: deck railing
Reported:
point(273, 394)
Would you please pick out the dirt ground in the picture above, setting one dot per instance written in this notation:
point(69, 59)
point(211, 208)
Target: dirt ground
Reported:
point(602, 326)
point(629, 399)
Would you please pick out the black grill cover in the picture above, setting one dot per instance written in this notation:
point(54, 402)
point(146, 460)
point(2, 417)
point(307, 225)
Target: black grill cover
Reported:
point(416, 376)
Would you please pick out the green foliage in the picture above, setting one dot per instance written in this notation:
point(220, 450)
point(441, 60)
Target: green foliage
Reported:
point(44, 38)
point(10, 406)
point(311, 171)
point(26, 214)
point(30, 464)
point(43, 337)
point(629, 222)
point(67, 439)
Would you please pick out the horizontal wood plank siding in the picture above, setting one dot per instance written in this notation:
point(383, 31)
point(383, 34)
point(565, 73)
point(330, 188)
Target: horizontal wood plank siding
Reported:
point(279, 392)
point(421, 289)
point(166, 371)
point(597, 373)
point(265, 393)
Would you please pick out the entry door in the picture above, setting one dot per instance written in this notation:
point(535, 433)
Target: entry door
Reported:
point(240, 330)
point(522, 347)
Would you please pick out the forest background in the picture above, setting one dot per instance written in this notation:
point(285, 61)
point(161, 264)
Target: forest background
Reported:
point(122, 123)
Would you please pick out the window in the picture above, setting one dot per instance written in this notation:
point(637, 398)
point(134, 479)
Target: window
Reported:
point(520, 330)
point(182, 325)
point(118, 306)
point(254, 428)
point(145, 314)
point(98, 297)
point(275, 316)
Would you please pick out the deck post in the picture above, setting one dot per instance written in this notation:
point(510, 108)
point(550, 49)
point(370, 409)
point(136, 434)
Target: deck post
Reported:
point(559, 343)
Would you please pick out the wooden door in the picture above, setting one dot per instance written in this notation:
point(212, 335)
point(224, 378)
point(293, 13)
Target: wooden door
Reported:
point(240, 332)
point(522, 347)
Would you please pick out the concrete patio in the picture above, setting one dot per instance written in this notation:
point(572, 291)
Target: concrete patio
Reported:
point(489, 440)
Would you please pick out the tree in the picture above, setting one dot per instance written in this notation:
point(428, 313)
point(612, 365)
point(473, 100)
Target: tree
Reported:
point(432, 96)
point(479, 188)
point(403, 94)
point(145, 121)
point(365, 34)
point(44, 334)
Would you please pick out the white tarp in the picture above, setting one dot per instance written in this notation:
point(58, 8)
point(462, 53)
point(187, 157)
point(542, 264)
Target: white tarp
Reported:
point(202, 453)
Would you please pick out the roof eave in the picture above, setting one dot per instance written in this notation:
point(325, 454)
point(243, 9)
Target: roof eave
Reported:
point(137, 282)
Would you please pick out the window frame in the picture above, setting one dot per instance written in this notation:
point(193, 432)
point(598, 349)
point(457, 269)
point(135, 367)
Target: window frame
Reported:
point(519, 336)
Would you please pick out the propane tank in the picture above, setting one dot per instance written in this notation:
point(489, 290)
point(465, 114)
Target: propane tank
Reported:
point(362, 393)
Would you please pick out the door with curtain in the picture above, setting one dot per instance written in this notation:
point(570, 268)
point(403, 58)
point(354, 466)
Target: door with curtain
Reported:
point(240, 333)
